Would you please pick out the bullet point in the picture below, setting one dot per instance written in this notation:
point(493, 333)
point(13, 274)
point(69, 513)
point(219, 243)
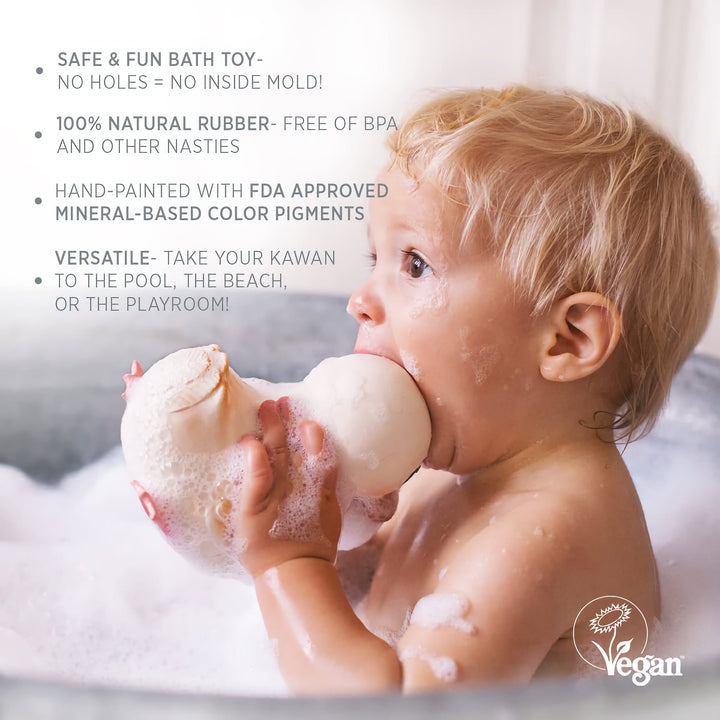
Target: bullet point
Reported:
point(38, 281)
point(38, 134)
point(39, 70)
point(38, 201)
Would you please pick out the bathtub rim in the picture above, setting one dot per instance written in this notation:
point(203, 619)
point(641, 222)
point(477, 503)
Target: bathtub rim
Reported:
point(693, 695)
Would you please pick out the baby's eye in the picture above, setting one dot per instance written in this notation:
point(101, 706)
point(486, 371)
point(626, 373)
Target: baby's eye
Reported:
point(415, 266)
point(371, 258)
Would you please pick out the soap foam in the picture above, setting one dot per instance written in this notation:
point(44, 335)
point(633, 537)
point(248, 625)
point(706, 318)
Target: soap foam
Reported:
point(410, 363)
point(680, 493)
point(442, 610)
point(190, 489)
point(481, 359)
point(92, 594)
point(432, 303)
point(198, 485)
point(299, 512)
point(442, 667)
point(182, 489)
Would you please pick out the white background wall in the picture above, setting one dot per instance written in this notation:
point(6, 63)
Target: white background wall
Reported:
point(660, 56)
point(376, 57)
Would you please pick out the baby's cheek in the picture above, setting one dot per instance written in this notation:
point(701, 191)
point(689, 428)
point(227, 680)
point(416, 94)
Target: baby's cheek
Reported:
point(431, 303)
point(481, 362)
point(479, 358)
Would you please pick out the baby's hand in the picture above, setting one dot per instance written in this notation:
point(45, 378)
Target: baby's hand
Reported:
point(276, 527)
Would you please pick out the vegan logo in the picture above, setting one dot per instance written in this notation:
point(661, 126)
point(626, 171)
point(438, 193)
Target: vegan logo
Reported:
point(611, 634)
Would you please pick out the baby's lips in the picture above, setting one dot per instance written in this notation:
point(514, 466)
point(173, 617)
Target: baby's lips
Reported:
point(135, 372)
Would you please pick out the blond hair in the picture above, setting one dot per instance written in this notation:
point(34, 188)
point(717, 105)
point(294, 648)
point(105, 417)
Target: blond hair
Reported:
point(574, 194)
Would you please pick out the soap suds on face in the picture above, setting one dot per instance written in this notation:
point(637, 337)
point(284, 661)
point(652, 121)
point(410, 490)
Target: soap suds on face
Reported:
point(440, 610)
point(482, 359)
point(443, 668)
point(433, 302)
point(410, 364)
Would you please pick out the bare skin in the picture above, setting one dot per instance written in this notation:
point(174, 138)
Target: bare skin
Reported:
point(522, 513)
point(509, 545)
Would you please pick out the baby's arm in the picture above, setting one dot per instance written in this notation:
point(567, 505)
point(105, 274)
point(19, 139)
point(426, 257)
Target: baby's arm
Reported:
point(493, 616)
point(499, 607)
point(322, 646)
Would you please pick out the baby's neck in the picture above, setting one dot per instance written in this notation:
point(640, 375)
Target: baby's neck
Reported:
point(521, 469)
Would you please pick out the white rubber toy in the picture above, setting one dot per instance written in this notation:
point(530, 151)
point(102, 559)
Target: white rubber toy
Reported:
point(185, 416)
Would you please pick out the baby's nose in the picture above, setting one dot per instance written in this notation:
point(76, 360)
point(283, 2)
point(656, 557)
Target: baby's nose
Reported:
point(365, 307)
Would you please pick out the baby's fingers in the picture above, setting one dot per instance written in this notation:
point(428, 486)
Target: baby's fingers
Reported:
point(258, 480)
point(274, 437)
point(266, 462)
point(313, 439)
point(312, 436)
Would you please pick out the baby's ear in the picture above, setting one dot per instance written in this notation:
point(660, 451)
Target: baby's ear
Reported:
point(581, 333)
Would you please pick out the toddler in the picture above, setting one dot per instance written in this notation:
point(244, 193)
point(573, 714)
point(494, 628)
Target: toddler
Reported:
point(543, 263)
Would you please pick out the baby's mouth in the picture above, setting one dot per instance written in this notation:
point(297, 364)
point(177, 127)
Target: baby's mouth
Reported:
point(367, 350)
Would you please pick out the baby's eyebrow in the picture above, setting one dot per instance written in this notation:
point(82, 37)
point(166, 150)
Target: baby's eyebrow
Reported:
point(403, 227)
point(396, 227)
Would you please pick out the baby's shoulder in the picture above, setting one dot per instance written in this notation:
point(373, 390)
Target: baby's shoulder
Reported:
point(578, 531)
point(585, 501)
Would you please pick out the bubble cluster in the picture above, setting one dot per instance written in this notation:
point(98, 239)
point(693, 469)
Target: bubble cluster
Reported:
point(91, 596)
point(431, 303)
point(440, 610)
point(299, 512)
point(193, 493)
point(410, 363)
point(443, 668)
point(480, 359)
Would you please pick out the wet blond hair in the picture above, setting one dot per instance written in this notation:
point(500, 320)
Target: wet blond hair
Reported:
point(573, 194)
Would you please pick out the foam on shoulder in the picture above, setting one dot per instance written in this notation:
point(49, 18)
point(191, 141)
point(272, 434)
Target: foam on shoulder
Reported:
point(441, 610)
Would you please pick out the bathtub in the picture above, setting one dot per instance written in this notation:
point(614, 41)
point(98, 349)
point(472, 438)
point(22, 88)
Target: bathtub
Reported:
point(60, 387)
